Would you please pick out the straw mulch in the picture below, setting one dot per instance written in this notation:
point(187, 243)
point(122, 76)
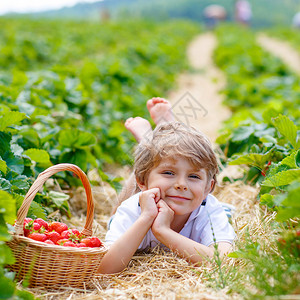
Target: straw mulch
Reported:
point(161, 275)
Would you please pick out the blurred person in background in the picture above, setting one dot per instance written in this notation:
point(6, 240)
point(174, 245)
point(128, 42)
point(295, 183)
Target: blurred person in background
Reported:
point(213, 14)
point(243, 12)
point(296, 20)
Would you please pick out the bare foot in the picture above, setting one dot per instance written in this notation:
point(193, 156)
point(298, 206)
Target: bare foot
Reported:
point(139, 127)
point(160, 110)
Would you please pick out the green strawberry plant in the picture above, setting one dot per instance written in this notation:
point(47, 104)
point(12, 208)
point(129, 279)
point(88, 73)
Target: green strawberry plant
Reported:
point(263, 136)
point(8, 289)
point(66, 88)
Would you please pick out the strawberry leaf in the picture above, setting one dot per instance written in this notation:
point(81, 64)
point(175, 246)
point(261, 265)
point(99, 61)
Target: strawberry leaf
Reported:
point(3, 166)
point(287, 128)
point(282, 178)
point(38, 155)
point(7, 207)
point(11, 118)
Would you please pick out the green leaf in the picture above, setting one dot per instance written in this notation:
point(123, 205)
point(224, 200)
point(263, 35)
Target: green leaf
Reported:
point(253, 159)
point(4, 143)
point(290, 160)
point(7, 206)
point(58, 198)
point(267, 200)
point(11, 118)
point(38, 155)
point(30, 138)
point(7, 287)
point(20, 184)
point(292, 197)
point(4, 184)
point(297, 159)
point(36, 211)
point(285, 213)
point(6, 256)
point(268, 139)
point(3, 166)
point(287, 128)
point(25, 295)
point(76, 138)
point(234, 255)
point(282, 178)
point(78, 158)
point(15, 163)
point(242, 133)
point(4, 234)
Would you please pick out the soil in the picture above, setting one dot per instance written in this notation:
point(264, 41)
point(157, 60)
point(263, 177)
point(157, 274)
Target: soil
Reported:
point(197, 100)
point(283, 50)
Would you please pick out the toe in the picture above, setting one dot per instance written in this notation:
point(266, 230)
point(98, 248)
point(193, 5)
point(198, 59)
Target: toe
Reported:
point(128, 121)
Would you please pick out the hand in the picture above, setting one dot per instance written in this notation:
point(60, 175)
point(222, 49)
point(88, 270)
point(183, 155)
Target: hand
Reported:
point(164, 218)
point(148, 200)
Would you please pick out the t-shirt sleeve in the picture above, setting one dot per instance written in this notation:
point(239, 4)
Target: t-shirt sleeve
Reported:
point(215, 226)
point(126, 214)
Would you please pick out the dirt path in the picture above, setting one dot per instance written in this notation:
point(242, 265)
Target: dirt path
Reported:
point(282, 50)
point(197, 101)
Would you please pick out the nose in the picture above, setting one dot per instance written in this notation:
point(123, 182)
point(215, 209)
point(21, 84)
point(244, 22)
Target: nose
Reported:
point(180, 186)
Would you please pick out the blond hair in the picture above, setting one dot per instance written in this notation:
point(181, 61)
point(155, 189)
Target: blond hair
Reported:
point(174, 139)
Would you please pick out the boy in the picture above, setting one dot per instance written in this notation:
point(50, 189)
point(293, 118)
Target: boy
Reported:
point(175, 169)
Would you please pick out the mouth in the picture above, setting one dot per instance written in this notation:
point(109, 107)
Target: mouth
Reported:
point(178, 198)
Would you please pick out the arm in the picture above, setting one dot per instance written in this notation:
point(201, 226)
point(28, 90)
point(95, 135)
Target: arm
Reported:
point(186, 248)
point(121, 251)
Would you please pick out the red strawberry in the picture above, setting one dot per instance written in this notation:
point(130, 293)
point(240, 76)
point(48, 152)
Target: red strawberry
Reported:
point(76, 232)
point(36, 226)
point(86, 241)
point(66, 234)
point(81, 245)
point(69, 244)
point(91, 242)
point(27, 220)
point(53, 236)
point(41, 222)
point(27, 225)
point(41, 237)
point(95, 242)
point(58, 227)
point(69, 234)
point(62, 242)
point(49, 242)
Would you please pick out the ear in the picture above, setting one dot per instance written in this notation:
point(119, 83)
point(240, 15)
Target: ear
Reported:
point(141, 185)
point(210, 186)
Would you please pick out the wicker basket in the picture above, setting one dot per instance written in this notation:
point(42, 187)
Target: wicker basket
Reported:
point(50, 266)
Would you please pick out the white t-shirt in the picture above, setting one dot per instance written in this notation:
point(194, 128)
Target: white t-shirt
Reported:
point(198, 227)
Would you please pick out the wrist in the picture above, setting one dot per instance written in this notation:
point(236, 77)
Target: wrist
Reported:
point(161, 232)
point(146, 219)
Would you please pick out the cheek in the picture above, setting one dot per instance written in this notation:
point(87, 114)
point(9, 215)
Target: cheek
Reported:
point(200, 189)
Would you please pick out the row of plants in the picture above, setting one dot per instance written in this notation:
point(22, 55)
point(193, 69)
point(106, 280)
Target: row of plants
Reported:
point(263, 136)
point(287, 34)
point(66, 89)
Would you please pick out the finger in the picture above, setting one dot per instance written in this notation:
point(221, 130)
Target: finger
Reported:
point(162, 204)
point(157, 195)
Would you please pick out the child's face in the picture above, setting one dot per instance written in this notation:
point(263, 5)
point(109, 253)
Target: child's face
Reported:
point(182, 186)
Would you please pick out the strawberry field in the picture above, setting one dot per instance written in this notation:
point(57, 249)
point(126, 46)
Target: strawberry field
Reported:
point(66, 89)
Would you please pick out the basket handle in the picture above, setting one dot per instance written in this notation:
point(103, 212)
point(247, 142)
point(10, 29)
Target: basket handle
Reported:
point(23, 210)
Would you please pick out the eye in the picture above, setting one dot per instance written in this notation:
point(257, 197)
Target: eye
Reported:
point(168, 173)
point(194, 176)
